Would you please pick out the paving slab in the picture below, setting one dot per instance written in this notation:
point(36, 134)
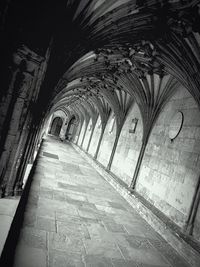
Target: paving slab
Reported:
point(7, 211)
point(75, 218)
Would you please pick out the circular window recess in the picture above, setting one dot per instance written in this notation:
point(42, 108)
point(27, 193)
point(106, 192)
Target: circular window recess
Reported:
point(176, 125)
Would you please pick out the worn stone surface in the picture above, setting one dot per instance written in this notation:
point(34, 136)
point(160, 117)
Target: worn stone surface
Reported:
point(80, 139)
point(83, 221)
point(95, 137)
point(181, 246)
point(87, 134)
point(128, 147)
point(170, 170)
point(7, 211)
point(107, 142)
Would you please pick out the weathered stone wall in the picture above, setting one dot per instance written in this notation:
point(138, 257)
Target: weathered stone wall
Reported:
point(196, 230)
point(64, 128)
point(87, 135)
point(170, 170)
point(18, 138)
point(75, 138)
point(181, 246)
point(81, 133)
point(64, 118)
point(95, 138)
point(128, 147)
point(47, 125)
point(107, 143)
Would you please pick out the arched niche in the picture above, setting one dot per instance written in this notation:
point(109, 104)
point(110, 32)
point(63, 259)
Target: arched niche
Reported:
point(56, 126)
point(49, 121)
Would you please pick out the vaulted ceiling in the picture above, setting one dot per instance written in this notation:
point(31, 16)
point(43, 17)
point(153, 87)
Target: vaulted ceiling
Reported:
point(109, 53)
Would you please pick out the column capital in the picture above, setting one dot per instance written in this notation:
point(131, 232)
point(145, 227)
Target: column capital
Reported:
point(29, 57)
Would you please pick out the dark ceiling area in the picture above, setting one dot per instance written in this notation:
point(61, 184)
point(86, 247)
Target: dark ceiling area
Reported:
point(127, 38)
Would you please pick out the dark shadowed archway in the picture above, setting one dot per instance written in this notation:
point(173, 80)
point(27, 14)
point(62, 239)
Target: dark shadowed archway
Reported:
point(56, 126)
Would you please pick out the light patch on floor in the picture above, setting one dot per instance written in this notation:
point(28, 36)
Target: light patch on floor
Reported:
point(75, 218)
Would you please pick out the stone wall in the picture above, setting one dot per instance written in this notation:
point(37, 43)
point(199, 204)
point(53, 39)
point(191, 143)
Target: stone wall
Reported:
point(170, 170)
point(95, 137)
point(107, 143)
point(75, 137)
point(87, 135)
point(128, 147)
point(81, 133)
point(196, 230)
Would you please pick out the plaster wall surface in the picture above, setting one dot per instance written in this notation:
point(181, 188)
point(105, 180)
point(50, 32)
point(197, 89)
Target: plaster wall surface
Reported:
point(128, 147)
point(170, 170)
point(107, 142)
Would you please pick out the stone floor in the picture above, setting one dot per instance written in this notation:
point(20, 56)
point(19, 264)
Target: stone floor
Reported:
point(6, 218)
point(75, 218)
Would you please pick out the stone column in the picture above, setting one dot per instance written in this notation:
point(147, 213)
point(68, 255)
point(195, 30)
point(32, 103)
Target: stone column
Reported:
point(24, 90)
point(36, 142)
point(5, 103)
point(88, 146)
point(50, 124)
point(24, 161)
point(81, 122)
point(86, 125)
point(140, 158)
point(19, 156)
point(189, 225)
point(74, 131)
point(118, 131)
point(100, 139)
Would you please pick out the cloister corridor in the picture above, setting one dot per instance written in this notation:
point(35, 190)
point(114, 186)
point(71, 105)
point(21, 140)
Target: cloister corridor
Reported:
point(74, 217)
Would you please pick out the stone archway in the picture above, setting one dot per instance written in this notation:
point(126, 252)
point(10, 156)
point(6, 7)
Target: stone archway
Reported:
point(56, 126)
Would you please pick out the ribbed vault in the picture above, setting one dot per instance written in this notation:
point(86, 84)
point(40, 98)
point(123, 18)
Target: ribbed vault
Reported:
point(125, 51)
point(104, 56)
point(123, 75)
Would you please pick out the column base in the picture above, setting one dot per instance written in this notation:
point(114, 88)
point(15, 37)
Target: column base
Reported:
point(9, 193)
point(131, 190)
point(188, 229)
point(18, 189)
point(2, 190)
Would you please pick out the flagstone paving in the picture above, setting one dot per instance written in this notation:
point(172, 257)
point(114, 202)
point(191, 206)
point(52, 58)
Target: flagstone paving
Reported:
point(75, 218)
